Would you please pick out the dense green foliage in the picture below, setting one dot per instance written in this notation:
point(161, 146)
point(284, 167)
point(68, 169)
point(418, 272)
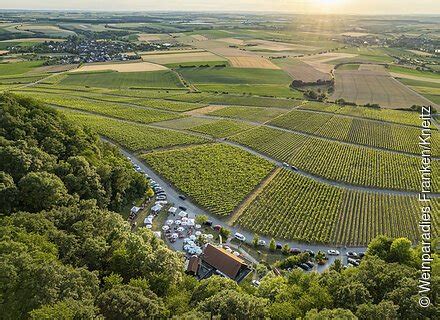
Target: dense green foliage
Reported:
point(133, 136)
point(216, 176)
point(47, 161)
point(292, 206)
point(155, 79)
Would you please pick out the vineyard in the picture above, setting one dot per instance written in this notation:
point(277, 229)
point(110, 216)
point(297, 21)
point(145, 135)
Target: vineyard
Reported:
point(351, 164)
point(301, 121)
point(218, 177)
point(294, 207)
point(229, 99)
point(116, 110)
point(358, 131)
point(249, 113)
point(222, 128)
point(389, 115)
point(369, 133)
point(278, 144)
point(132, 136)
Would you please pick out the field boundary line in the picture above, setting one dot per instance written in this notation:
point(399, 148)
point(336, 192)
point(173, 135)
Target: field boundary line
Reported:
point(235, 215)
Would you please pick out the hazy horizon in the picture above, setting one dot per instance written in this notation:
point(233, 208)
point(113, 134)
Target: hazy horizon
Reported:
point(351, 7)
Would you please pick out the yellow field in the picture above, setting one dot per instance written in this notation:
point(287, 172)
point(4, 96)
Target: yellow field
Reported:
point(148, 37)
point(122, 67)
point(233, 41)
point(199, 37)
point(279, 46)
point(32, 40)
point(181, 57)
point(354, 34)
point(412, 77)
point(322, 63)
point(252, 62)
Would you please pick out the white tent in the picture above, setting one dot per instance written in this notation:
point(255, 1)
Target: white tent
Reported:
point(172, 210)
point(156, 208)
point(135, 210)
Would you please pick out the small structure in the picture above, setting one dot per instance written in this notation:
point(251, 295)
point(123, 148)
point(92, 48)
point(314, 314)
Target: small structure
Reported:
point(135, 210)
point(156, 208)
point(172, 210)
point(217, 261)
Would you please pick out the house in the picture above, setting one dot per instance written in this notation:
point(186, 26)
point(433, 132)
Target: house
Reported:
point(217, 261)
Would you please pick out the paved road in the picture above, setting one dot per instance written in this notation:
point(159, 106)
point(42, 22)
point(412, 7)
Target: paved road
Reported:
point(173, 197)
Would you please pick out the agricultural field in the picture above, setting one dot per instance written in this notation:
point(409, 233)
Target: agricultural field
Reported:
point(222, 128)
point(132, 136)
point(216, 176)
point(182, 57)
point(297, 120)
point(381, 135)
point(256, 114)
point(295, 207)
point(115, 80)
point(229, 99)
point(18, 68)
point(300, 70)
point(252, 62)
point(367, 86)
point(350, 164)
point(388, 115)
point(120, 111)
point(121, 67)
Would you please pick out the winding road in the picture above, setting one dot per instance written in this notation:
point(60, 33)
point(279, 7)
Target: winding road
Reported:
point(193, 209)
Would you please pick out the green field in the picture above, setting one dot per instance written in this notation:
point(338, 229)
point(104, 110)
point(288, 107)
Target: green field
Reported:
point(152, 79)
point(17, 68)
point(216, 176)
point(133, 136)
point(388, 115)
point(121, 111)
point(335, 161)
point(301, 121)
point(413, 72)
point(221, 128)
point(235, 76)
point(248, 113)
point(294, 207)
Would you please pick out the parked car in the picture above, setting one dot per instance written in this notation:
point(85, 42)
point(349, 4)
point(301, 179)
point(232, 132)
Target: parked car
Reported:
point(310, 264)
point(161, 197)
point(295, 251)
point(279, 246)
point(310, 252)
point(361, 254)
point(239, 236)
point(217, 227)
point(304, 266)
point(352, 254)
point(333, 252)
point(181, 196)
point(294, 168)
point(182, 208)
point(261, 243)
point(353, 261)
point(208, 223)
point(285, 164)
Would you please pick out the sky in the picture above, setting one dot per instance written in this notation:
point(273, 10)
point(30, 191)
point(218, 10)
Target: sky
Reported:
point(283, 6)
